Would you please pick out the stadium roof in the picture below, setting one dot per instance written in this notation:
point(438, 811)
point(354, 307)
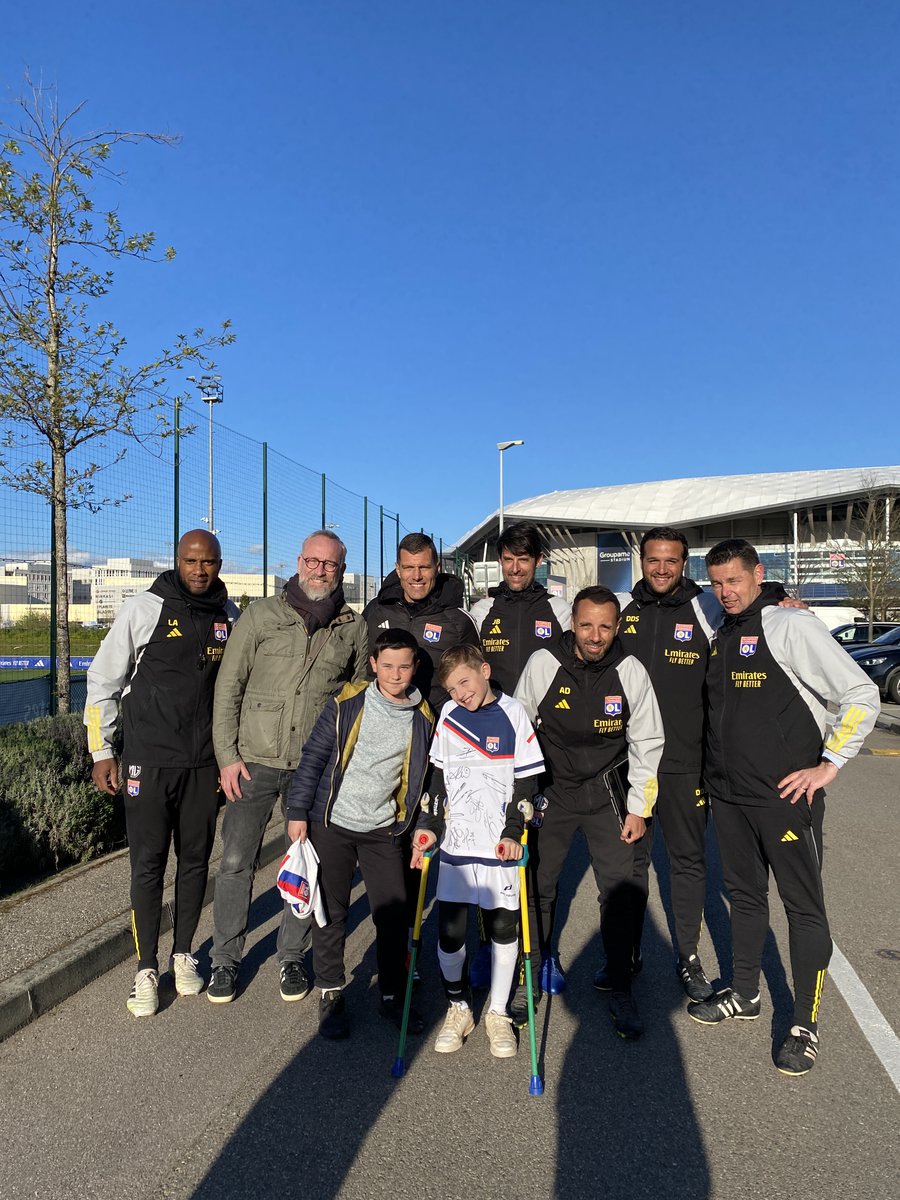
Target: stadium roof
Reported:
point(687, 502)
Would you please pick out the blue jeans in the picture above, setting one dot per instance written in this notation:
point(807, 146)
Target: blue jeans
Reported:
point(243, 826)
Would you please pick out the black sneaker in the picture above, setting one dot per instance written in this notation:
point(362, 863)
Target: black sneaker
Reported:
point(294, 983)
point(625, 1015)
point(722, 1006)
point(602, 981)
point(798, 1051)
point(693, 978)
point(392, 1008)
point(518, 1007)
point(333, 1021)
point(222, 985)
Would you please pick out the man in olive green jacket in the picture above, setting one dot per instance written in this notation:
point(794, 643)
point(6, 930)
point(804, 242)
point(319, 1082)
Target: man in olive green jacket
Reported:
point(286, 657)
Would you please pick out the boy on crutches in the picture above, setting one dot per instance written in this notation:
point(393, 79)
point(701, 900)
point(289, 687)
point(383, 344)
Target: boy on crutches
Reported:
point(484, 756)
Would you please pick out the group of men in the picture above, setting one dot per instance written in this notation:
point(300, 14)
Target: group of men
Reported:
point(645, 705)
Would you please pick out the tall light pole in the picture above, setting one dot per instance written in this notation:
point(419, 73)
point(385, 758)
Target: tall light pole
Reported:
point(211, 392)
point(501, 446)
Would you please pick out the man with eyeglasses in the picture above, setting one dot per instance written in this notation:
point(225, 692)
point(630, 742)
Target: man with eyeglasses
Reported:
point(288, 656)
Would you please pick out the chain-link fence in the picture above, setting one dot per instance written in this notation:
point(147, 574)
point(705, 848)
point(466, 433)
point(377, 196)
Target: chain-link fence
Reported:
point(146, 493)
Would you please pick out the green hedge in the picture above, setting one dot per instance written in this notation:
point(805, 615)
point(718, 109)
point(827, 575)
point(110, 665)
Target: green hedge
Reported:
point(51, 815)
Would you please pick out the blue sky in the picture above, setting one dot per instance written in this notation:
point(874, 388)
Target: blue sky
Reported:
point(652, 239)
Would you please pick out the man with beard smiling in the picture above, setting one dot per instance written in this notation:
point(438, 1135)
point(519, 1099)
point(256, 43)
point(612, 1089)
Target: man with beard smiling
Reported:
point(667, 624)
point(592, 706)
point(289, 655)
point(513, 620)
point(519, 616)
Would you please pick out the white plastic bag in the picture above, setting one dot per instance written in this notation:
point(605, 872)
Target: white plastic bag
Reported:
point(298, 882)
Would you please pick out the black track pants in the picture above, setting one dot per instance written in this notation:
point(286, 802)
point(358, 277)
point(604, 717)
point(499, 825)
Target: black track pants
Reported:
point(682, 810)
point(621, 872)
point(787, 839)
point(180, 804)
point(380, 857)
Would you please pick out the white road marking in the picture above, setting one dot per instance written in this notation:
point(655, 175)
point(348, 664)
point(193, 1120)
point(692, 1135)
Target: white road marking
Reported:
point(869, 1016)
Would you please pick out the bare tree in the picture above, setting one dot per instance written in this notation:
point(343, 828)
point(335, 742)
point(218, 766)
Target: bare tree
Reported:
point(870, 567)
point(62, 374)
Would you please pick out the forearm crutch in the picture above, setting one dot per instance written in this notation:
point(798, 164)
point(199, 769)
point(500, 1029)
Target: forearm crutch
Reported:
point(398, 1070)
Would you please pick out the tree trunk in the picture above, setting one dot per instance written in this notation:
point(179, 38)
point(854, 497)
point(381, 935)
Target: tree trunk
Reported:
point(62, 672)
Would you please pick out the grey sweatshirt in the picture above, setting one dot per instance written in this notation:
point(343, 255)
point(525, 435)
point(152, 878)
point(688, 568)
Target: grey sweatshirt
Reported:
point(366, 797)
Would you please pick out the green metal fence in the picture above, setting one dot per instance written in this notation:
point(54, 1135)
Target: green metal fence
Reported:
point(264, 503)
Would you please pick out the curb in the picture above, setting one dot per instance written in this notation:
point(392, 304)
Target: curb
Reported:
point(36, 989)
point(891, 724)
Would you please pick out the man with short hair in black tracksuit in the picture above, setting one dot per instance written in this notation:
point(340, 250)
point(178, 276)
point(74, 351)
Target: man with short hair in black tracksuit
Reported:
point(592, 707)
point(513, 620)
point(160, 659)
point(668, 622)
point(420, 597)
point(771, 673)
point(520, 615)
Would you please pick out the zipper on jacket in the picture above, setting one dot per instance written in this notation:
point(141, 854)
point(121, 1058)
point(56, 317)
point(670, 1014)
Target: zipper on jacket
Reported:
point(337, 757)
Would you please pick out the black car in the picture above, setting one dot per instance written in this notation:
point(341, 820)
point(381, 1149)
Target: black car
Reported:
point(853, 636)
point(881, 662)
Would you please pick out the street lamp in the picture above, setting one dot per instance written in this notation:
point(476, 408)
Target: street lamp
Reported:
point(211, 392)
point(501, 446)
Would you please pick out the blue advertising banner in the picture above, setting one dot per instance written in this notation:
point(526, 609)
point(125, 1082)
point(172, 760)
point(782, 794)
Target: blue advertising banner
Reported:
point(38, 664)
point(614, 569)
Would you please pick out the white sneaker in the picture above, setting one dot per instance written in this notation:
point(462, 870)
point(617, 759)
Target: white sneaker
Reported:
point(458, 1024)
point(500, 1035)
point(144, 998)
point(188, 980)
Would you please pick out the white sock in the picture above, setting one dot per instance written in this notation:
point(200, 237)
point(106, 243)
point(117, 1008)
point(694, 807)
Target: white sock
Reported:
point(504, 957)
point(451, 965)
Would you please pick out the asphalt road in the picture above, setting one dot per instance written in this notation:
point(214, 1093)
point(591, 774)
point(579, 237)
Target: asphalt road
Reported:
point(245, 1100)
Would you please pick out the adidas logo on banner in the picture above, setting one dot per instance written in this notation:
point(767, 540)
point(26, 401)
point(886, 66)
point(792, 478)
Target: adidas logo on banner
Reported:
point(174, 633)
point(562, 704)
point(790, 836)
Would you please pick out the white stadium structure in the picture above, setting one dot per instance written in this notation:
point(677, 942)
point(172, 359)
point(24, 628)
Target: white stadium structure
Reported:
point(810, 527)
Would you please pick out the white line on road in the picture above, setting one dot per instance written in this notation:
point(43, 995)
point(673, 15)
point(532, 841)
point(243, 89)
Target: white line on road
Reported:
point(868, 1015)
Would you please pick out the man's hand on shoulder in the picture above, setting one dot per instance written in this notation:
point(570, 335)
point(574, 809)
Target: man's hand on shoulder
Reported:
point(105, 776)
point(790, 602)
point(231, 777)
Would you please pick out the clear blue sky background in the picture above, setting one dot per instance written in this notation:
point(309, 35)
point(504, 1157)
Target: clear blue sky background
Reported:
point(652, 239)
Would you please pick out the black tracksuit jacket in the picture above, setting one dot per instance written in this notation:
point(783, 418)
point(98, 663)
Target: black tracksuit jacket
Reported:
point(437, 623)
point(513, 625)
point(671, 636)
point(771, 672)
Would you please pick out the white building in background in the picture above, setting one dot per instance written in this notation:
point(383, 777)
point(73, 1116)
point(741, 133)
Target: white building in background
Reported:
point(116, 580)
point(805, 525)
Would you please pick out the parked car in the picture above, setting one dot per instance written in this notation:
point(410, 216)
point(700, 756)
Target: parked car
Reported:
point(857, 634)
point(881, 662)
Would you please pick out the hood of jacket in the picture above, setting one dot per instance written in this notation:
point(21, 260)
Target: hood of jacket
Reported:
point(448, 592)
point(772, 593)
point(564, 651)
point(534, 591)
point(685, 591)
point(169, 586)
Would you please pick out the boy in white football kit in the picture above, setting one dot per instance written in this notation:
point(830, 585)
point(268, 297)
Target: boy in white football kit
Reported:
point(484, 755)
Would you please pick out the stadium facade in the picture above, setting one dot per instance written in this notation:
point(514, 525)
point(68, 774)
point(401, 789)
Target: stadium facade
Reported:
point(815, 530)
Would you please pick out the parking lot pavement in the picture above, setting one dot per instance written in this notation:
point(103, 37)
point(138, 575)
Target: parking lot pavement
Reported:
point(245, 1099)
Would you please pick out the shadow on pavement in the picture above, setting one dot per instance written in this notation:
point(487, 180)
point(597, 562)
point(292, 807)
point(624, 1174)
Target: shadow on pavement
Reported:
point(626, 1123)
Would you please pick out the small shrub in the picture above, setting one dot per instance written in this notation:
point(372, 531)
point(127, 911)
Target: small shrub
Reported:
point(51, 815)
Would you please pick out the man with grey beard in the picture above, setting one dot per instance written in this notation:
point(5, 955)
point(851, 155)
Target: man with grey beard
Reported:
point(288, 656)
